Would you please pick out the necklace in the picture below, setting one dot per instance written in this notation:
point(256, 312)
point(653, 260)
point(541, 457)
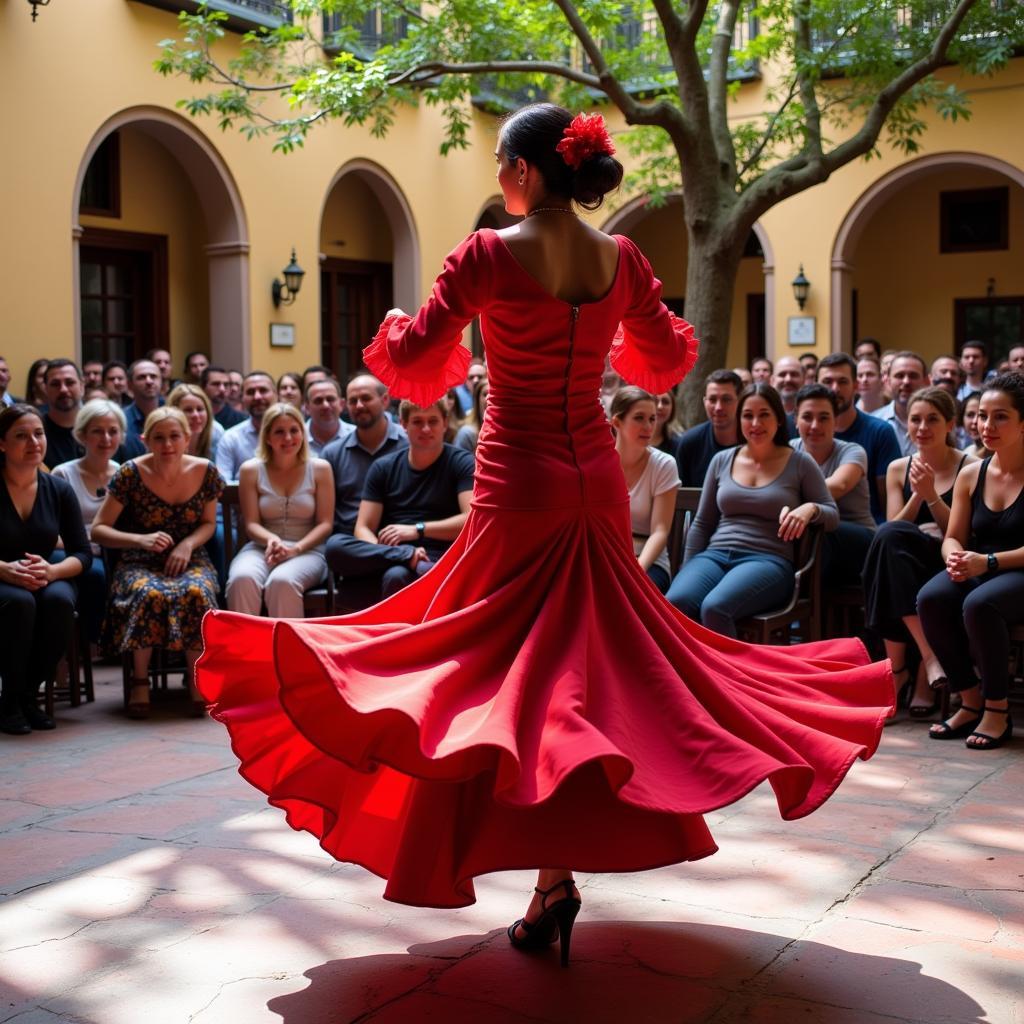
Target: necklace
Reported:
point(551, 209)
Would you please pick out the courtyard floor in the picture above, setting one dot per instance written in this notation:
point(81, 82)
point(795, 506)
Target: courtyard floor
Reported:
point(142, 882)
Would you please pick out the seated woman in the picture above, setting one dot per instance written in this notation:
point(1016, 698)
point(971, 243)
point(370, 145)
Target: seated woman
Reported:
point(160, 511)
point(35, 384)
point(99, 427)
point(287, 502)
point(206, 431)
point(757, 499)
point(468, 434)
point(667, 430)
point(906, 551)
point(289, 389)
point(968, 438)
point(968, 609)
point(651, 476)
point(845, 467)
point(37, 598)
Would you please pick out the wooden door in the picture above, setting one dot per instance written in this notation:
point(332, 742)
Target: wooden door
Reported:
point(354, 297)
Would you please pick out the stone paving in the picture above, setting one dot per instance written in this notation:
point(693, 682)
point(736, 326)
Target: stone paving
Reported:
point(142, 882)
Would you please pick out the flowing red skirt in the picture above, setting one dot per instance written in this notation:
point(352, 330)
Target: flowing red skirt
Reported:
point(532, 701)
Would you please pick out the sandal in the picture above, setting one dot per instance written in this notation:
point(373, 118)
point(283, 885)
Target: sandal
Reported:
point(986, 742)
point(945, 731)
point(138, 709)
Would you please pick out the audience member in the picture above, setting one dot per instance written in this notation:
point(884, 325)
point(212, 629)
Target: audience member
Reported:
point(476, 373)
point(35, 385)
point(469, 433)
point(667, 429)
point(968, 610)
point(287, 502)
point(204, 431)
point(164, 505)
point(451, 404)
point(99, 428)
point(414, 504)
point(701, 443)
point(905, 552)
point(234, 391)
point(836, 371)
point(945, 374)
point(63, 385)
point(312, 374)
point(869, 348)
point(652, 480)
point(161, 358)
point(787, 380)
point(1016, 359)
point(845, 468)
point(239, 444)
point(5, 381)
point(968, 435)
point(37, 598)
point(610, 384)
point(290, 390)
point(195, 365)
point(92, 374)
point(115, 382)
point(350, 459)
point(745, 376)
point(869, 385)
point(974, 359)
point(145, 381)
point(884, 364)
point(323, 405)
point(757, 499)
point(809, 362)
point(761, 370)
point(216, 382)
point(907, 375)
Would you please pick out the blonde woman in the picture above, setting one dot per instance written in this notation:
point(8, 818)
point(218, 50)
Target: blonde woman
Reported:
point(287, 502)
point(165, 506)
point(206, 431)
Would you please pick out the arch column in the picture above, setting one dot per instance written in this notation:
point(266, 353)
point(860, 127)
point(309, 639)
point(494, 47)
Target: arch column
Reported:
point(228, 268)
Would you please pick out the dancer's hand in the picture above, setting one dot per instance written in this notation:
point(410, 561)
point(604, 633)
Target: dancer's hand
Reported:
point(395, 311)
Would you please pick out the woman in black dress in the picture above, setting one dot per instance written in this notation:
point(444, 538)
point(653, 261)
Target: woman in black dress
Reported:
point(967, 610)
point(37, 598)
point(906, 551)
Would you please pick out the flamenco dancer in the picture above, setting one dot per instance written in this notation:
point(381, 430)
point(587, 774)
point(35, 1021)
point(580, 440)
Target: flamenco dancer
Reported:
point(533, 700)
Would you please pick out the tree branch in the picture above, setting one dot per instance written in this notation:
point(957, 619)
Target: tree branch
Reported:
point(423, 73)
point(670, 22)
point(693, 21)
point(718, 79)
point(808, 96)
point(769, 130)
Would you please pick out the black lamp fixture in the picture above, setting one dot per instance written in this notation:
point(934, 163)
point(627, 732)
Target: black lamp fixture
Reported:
point(35, 4)
point(801, 286)
point(284, 292)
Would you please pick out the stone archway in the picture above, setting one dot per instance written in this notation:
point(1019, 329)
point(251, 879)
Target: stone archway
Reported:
point(870, 201)
point(630, 214)
point(227, 234)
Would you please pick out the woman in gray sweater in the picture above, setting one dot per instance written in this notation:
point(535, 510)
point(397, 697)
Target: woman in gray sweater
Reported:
point(756, 501)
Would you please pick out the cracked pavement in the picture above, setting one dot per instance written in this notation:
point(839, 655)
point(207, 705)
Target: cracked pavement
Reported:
point(142, 882)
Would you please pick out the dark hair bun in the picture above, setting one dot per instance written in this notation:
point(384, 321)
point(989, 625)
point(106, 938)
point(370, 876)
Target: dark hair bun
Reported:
point(533, 132)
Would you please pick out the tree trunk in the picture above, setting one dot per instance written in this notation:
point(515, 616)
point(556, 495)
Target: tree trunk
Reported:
point(710, 282)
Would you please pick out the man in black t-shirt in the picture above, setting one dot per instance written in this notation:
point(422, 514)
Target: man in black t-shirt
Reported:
point(700, 444)
point(415, 502)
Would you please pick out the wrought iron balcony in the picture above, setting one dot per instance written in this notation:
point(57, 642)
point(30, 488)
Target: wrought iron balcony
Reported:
point(243, 15)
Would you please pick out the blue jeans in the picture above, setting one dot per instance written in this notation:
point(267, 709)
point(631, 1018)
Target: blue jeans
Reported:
point(721, 585)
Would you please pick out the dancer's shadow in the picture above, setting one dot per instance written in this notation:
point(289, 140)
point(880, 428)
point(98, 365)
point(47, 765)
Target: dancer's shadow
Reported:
point(626, 972)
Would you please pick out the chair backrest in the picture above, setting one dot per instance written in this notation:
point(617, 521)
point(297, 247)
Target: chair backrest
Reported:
point(687, 500)
point(231, 511)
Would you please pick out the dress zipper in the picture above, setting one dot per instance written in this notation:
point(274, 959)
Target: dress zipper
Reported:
point(574, 317)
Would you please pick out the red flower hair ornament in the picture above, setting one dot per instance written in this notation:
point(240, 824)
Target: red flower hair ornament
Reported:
point(584, 136)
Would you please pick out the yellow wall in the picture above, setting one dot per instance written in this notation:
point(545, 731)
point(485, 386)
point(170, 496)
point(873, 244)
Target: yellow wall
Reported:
point(354, 224)
point(157, 198)
point(282, 198)
point(906, 286)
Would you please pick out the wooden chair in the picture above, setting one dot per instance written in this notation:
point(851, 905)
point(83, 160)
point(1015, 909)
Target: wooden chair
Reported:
point(687, 501)
point(316, 602)
point(79, 662)
point(803, 608)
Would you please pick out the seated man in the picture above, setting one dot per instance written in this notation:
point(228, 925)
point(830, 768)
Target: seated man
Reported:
point(415, 502)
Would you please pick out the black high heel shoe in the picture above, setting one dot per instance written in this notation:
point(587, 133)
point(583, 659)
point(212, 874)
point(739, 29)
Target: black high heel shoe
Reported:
point(945, 731)
point(554, 922)
point(987, 742)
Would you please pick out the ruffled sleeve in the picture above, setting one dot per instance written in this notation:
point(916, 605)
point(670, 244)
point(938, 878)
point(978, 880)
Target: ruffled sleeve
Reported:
point(653, 348)
point(421, 357)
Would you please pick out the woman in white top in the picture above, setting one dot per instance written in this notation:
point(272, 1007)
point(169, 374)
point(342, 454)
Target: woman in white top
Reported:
point(100, 428)
point(287, 502)
point(652, 478)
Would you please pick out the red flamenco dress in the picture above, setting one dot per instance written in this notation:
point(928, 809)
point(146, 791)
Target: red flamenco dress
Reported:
point(532, 700)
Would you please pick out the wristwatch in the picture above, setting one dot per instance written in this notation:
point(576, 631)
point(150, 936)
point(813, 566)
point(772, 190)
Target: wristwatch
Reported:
point(993, 563)
point(421, 530)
